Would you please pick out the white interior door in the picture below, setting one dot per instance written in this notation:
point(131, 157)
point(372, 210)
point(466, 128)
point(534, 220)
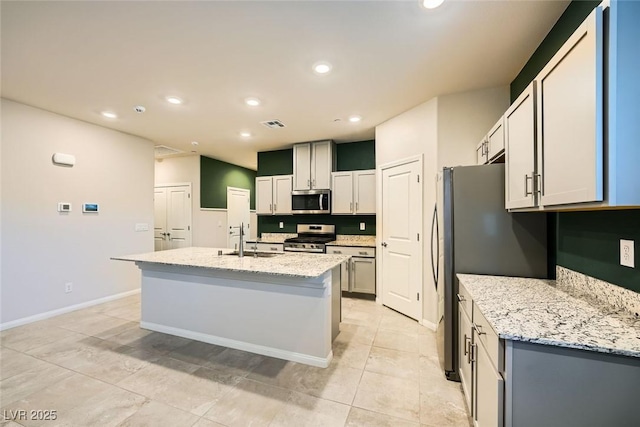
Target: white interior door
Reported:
point(401, 246)
point(160, 242)
point(172, 216)
point(237, 214)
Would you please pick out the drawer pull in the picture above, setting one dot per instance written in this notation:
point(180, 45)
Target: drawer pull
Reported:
point(337, 252)
point(274, 249)
point(363, 252)
point(461, 298)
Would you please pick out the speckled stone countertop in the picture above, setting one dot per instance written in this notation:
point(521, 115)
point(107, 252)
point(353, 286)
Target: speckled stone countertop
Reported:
point(537, 311)
point(284, 264)
point(272, 238)
point(358, 241)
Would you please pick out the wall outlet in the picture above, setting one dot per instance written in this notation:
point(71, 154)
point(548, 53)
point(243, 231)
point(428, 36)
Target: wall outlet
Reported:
point(281, 225)
point(68, 287)
point(627, 253)
point(362, 226)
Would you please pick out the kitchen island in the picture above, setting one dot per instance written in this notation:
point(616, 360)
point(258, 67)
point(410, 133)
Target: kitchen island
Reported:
point(284, 305)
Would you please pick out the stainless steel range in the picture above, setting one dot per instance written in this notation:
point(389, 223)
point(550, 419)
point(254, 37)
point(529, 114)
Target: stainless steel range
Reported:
point(311, 238)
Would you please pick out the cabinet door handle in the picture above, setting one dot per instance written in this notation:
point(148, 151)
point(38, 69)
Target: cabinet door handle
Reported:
point(309, 183)
point(275, 208)
point(271, 208)
point(478, 329)
point(357, 206)
point(472, 353)
point(467, 347)
point(526, 185)
point(538, 183)
point(314, 182)
point(350, 206)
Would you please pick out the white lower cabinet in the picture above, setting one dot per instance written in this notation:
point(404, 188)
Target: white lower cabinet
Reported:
point(481, 364)
point(359, 273)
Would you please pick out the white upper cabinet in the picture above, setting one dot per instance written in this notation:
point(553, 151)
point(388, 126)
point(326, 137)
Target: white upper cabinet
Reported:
point(570, 118)
point(264, 195)
point(495, 141)
point(313, 163)
point(365, 192)
point(342, 193)
point(520, 161)
point(354, 192)
point(273, 195)
point(302, 166)
point(584, 145)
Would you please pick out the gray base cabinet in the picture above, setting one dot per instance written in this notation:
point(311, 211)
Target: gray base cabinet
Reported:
point(359, 273)
point(523, 384)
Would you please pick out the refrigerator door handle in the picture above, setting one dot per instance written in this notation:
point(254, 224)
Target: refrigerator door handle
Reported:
point(434, 224)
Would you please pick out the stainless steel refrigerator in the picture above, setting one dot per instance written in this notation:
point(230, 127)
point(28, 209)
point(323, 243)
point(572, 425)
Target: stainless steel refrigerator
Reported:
point(473, 233)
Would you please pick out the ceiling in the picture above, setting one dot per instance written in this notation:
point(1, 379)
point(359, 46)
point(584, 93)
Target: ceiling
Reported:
point(82, 58)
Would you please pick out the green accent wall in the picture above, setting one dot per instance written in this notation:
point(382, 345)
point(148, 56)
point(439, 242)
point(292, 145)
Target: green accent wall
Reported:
point(278, 162)
point(587, 242)
point(356, 156)
point(571, 19)
point(216, 176)
point(345, 224)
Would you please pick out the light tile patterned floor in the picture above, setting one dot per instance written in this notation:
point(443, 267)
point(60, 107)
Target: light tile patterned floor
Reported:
point(96, 367)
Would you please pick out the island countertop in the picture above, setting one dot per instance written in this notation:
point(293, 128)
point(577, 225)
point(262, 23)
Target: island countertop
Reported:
point(537, 311)
point(284, 264)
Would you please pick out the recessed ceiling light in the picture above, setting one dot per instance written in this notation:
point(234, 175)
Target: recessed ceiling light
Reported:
point(174, 100)
point(252, 102)
point(245, 134)
point(109, 115)
point(322, 67)
point(432, 4)
point(194, 143)
point(355, 119)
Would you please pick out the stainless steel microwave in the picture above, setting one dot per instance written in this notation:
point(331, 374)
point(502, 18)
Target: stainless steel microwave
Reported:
point(311, 202)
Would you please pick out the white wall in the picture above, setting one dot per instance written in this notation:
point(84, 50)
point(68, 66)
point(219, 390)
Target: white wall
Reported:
point(209, 228)
point(43, 249)
point(445, 131)
point(464, 119)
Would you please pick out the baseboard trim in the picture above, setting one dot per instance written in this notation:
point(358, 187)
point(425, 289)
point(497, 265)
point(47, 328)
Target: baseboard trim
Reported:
point(59, 311)
point(321, 362)
point(429, 325)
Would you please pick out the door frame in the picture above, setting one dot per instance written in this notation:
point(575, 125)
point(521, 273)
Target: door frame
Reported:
point(182, 184)
point(380, 220)
point(248, 230)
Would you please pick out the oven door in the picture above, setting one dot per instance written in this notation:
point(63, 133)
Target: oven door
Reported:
point(311, 202)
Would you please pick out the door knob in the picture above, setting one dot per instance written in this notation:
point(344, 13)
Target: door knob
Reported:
point(384, 244)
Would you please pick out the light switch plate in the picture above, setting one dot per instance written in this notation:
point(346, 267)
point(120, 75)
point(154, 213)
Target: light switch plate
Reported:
point(142, 226)
point(627, 253)
point(281, 225)
point(362, 226)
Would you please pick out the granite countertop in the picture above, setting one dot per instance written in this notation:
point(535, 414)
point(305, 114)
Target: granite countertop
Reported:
point(357, 241)
point(291, 264)
point(537, 311)
point(272, 238)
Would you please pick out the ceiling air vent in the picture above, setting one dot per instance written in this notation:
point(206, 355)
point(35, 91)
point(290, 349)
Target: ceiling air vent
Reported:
point(273, 124)
point(163, 151)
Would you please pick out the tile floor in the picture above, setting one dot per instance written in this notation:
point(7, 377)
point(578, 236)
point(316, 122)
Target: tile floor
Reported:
point(96, 367)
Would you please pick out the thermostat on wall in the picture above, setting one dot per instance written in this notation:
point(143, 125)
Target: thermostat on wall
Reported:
point(64, 207)
point(89, 207)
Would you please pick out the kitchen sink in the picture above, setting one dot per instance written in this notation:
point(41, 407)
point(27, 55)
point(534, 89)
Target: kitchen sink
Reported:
point(256, 254)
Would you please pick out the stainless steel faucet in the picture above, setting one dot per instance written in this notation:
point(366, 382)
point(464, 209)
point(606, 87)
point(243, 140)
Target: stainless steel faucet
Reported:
point(241, 244)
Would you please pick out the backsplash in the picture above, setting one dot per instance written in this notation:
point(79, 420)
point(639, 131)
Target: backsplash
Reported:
point(345, 224)
point(588, 287)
